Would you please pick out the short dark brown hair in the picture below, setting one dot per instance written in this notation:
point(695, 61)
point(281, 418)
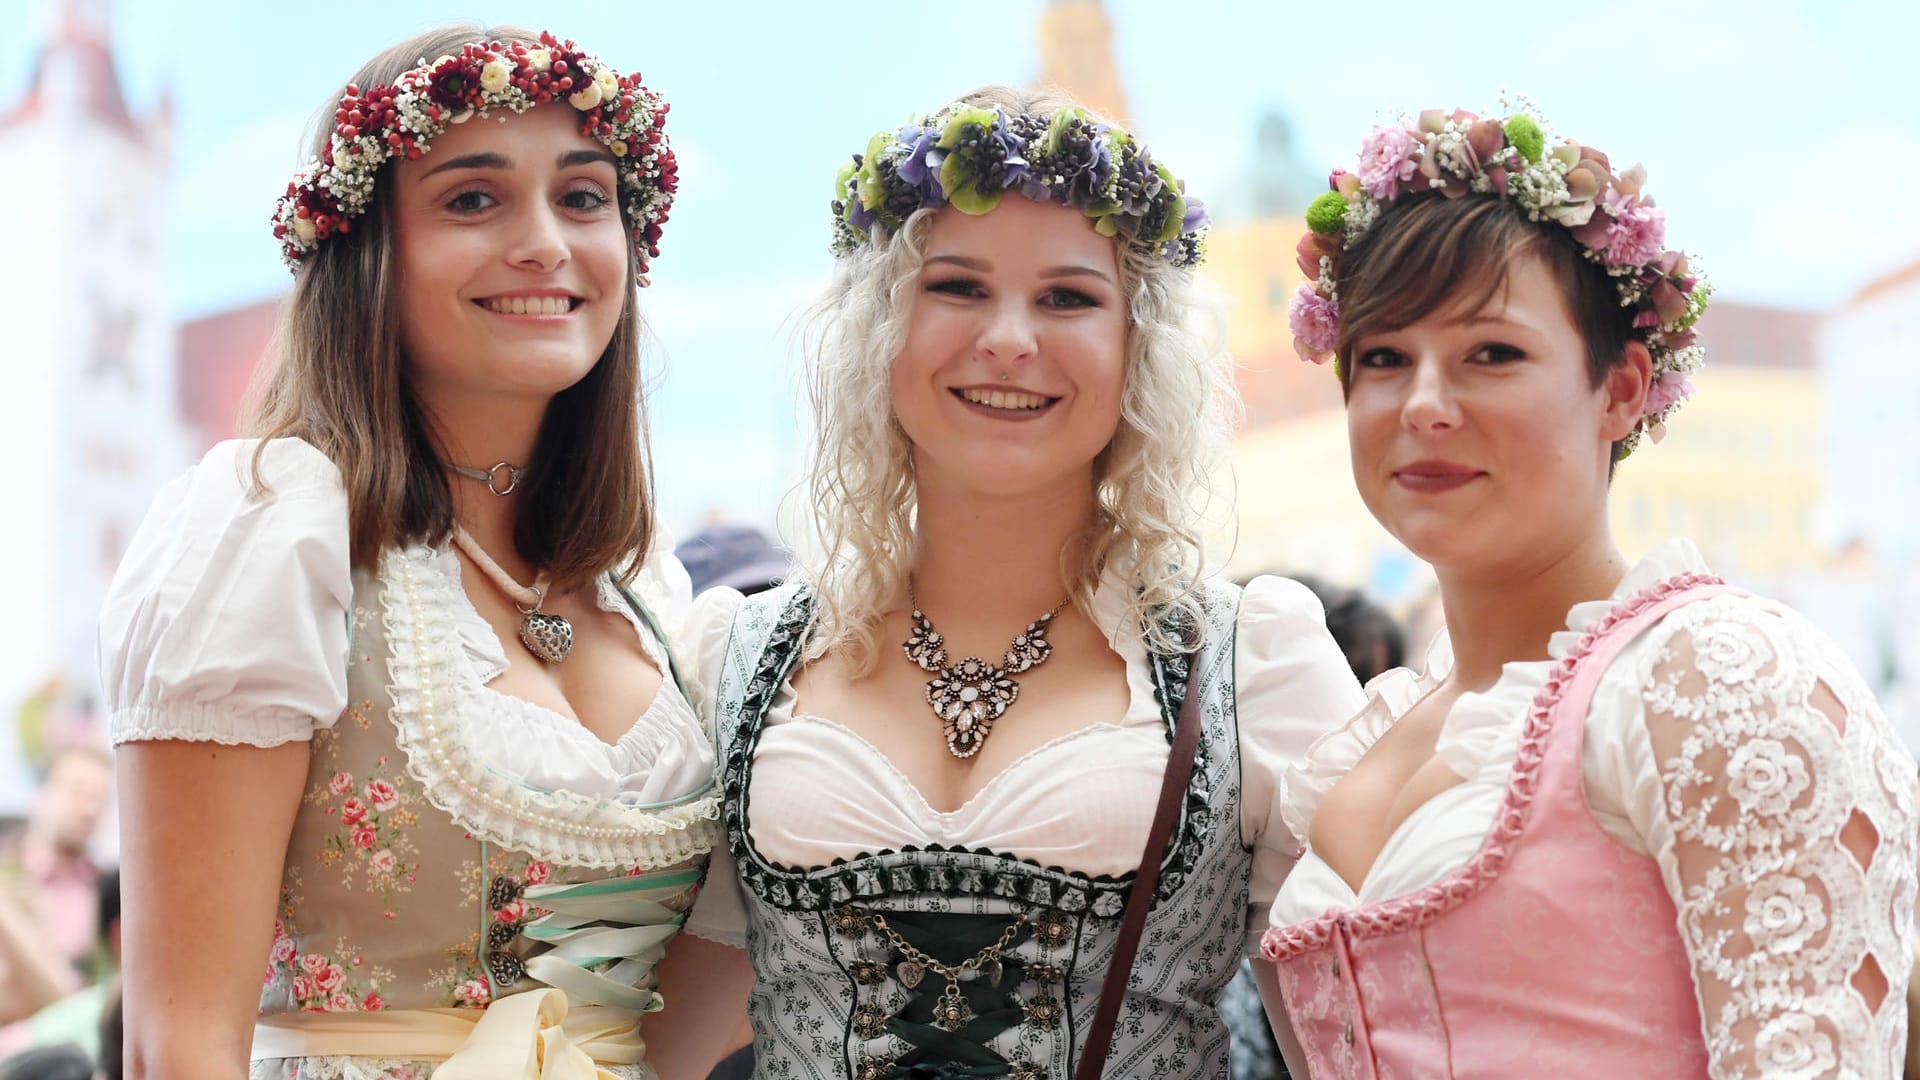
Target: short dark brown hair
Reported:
point(339, 381)
point(1429, 252)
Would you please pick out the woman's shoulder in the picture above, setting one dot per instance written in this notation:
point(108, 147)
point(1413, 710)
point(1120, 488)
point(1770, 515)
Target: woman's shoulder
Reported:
point(1271, 597)
point(252, 479)
point(1711, 627)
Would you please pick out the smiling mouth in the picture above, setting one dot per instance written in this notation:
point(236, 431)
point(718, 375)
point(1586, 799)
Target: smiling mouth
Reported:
point(1009, 400)
point(530, 305)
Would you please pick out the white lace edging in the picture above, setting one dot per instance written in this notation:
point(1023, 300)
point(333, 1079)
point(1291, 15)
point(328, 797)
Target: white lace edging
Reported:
point(428, 701)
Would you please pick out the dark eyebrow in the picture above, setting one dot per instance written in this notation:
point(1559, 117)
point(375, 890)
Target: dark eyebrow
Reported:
point(470, 161)
point(568, 160)
point(586, 157)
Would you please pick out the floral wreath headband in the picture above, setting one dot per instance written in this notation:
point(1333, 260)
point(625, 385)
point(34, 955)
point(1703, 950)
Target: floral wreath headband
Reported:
point(401, 120)
point(1563, 182)
point(969, 156)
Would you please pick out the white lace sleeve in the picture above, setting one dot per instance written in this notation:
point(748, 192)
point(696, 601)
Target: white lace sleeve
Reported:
point(1789, 843)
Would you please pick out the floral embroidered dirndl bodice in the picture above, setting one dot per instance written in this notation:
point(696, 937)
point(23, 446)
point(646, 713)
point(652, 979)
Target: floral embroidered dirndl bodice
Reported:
point(422, 875)
point(849, 956)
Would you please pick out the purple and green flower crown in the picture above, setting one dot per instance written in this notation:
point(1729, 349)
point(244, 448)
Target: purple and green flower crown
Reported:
point(969, 156)
point(1556, 181)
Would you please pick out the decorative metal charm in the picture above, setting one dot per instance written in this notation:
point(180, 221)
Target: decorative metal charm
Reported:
point(953, 1010)
point(1044, 1012)
point(847, 920)
point(867, 973)
point(873, 1068)
point(1027, 1070)
point(1052, 929)
point(1044, 974)
point(911, 972)
point(970, 695)
point(549, 637)
point(869, 1021)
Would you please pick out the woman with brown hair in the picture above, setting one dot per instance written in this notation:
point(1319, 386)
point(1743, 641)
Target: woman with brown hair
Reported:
point(998, 775)
point(1630, 821)
point(398, 724)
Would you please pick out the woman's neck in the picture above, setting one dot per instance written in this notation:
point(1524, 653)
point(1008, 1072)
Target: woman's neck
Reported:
point(1503, 614)
point(995, 556)
point(477, 434)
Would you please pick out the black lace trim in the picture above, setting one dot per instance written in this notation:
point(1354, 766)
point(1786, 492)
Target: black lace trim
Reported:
point(949, 871)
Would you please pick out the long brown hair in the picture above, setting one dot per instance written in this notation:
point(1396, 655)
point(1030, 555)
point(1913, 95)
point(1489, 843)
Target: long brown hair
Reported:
point(339, 381)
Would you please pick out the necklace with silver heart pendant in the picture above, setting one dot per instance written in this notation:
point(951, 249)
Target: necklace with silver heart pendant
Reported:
point(970, 695)
point(548, 637)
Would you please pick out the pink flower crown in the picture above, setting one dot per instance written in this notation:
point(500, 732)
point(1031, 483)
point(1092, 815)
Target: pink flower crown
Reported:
point(1563, 182)
point(401, 120)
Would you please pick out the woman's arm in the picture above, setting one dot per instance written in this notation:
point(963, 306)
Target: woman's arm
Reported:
point(705, 985)
point(204, 831)
point(1268, 980)
point(1785, 830)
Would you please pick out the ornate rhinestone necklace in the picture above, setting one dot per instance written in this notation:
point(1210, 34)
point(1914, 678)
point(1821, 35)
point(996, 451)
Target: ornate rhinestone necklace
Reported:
point(548, 637)
point(970, 695)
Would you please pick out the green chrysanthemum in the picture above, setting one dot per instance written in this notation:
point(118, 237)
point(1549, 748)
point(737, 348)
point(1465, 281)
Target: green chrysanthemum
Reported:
point(1524, 135)
point(1328, 213)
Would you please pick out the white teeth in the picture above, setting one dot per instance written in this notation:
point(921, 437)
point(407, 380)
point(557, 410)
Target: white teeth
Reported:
point(530, 305)
point(1004, 399)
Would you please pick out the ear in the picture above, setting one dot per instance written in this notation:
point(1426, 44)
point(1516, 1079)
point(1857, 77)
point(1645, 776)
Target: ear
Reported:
point(1625, 391)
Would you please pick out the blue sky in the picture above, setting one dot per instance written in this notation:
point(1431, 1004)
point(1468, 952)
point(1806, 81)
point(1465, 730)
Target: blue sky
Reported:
point(1780, 137)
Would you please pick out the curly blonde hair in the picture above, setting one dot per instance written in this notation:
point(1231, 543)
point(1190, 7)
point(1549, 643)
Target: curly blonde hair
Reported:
point(1153, 483)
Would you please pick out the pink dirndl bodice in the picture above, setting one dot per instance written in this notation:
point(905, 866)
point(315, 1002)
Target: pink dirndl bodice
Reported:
point(1554, 948)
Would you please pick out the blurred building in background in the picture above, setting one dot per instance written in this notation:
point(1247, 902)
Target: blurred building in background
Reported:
point(1794, 468)
point(92, 369)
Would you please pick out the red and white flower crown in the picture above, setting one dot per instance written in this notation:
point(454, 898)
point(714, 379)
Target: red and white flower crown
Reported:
point(401, 120)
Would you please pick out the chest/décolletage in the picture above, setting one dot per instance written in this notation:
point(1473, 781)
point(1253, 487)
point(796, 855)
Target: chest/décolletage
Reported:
point(1081, 684)
point(1395, 777)
point(606, 682)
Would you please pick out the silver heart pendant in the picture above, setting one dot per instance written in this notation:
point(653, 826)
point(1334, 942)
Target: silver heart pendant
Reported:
point(548, 637)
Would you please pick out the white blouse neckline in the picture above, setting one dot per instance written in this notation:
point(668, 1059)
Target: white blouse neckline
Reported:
point(1480, 730)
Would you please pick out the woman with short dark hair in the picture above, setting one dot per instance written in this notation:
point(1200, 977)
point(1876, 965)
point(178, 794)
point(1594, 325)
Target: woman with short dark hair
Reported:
point(1631, 821)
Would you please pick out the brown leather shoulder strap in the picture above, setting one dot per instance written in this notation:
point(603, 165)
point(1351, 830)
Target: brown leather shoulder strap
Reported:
point(1173, 791)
